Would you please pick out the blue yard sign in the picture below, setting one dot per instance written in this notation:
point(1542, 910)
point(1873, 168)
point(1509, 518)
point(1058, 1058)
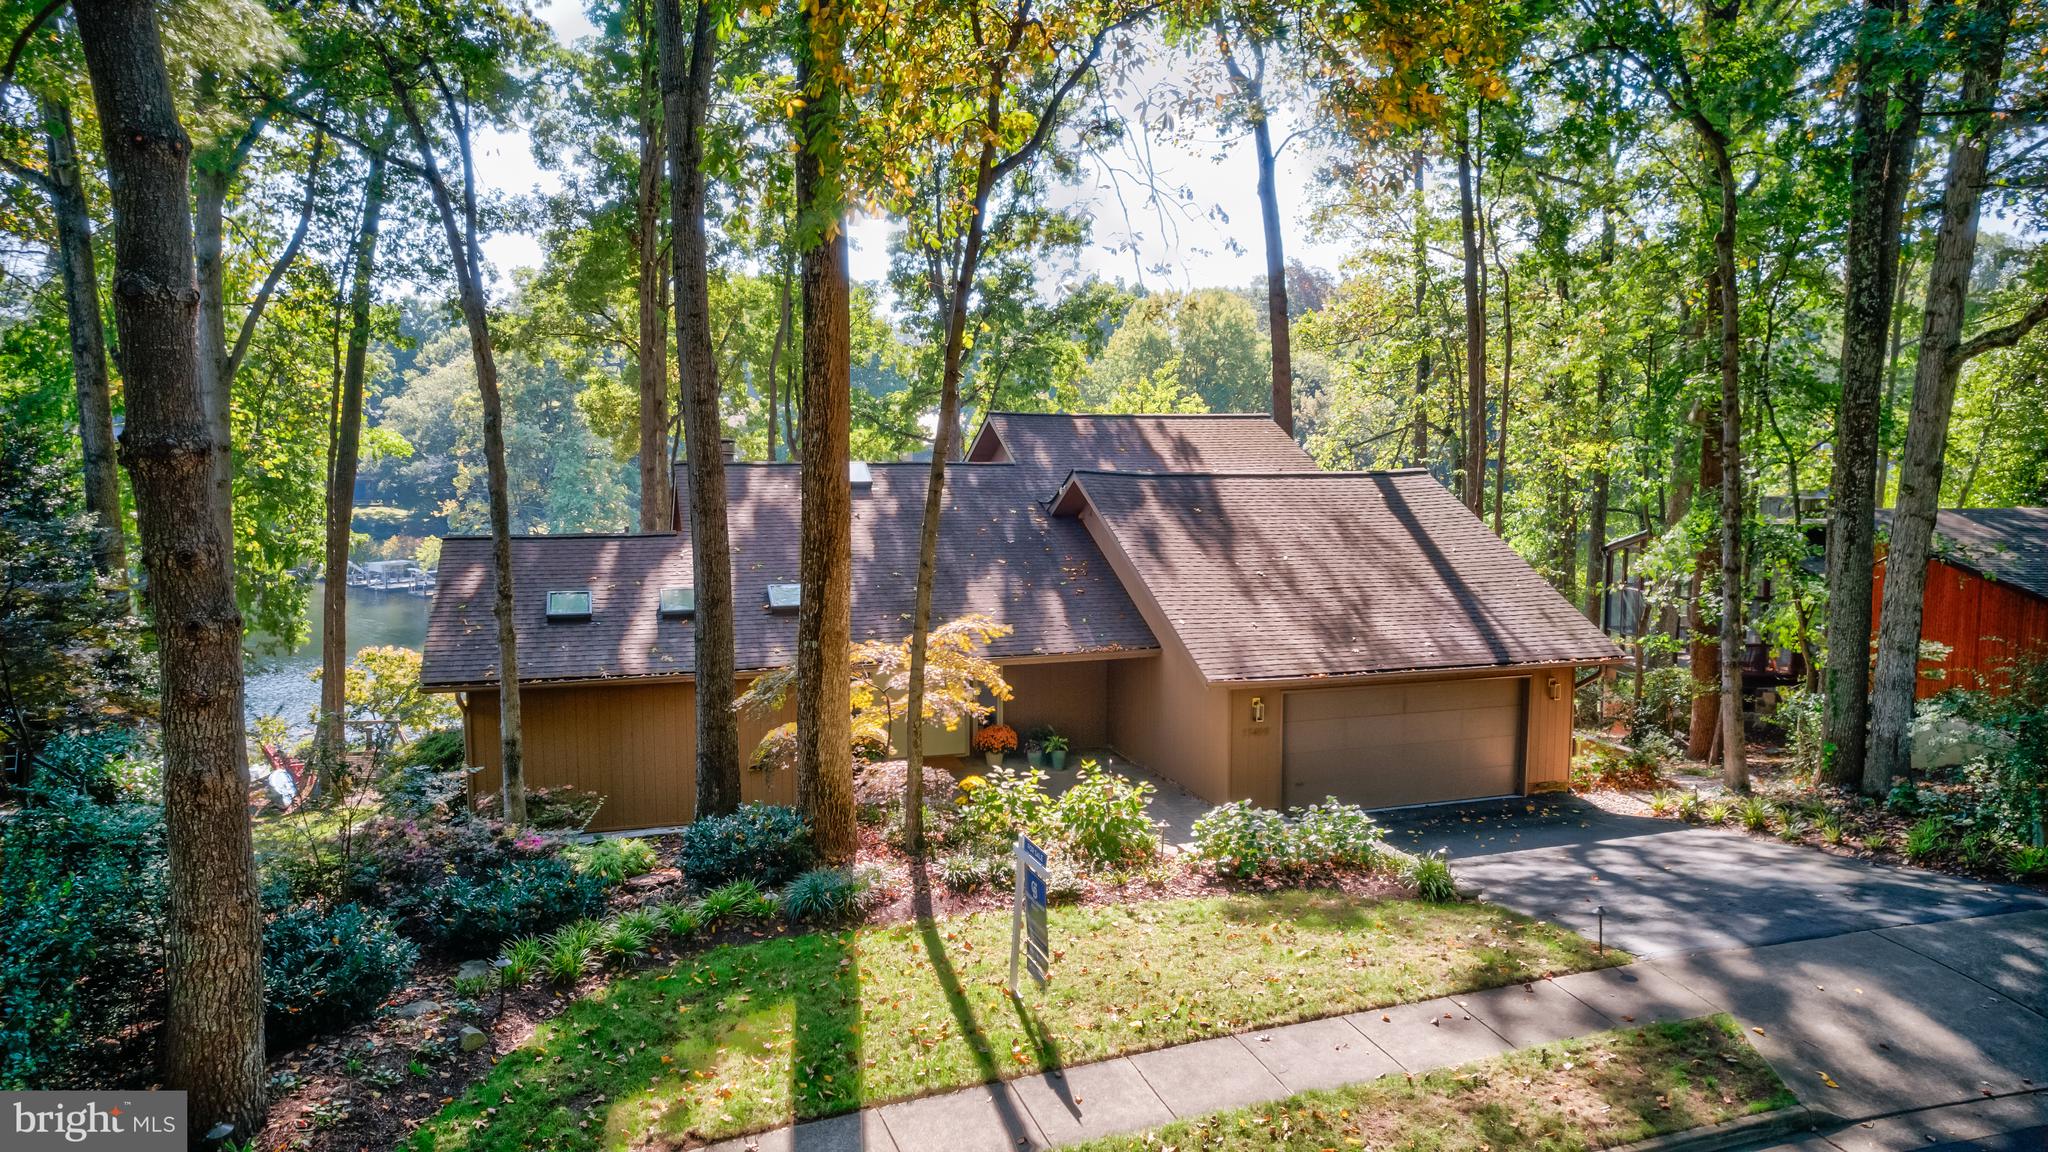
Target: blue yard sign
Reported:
point(1029, 942)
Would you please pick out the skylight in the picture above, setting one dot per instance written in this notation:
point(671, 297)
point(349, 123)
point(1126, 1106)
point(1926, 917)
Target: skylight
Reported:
point(784, 597)
point(678, 601)
point(860, 474)
point(569, 605)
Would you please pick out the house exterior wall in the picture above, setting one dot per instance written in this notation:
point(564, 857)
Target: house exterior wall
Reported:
point(635, 744)
point(1986, 625)
point(1069, 696)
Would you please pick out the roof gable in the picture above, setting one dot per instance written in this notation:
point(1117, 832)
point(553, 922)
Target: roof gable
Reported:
point(1282, 576)
point(1143, 443)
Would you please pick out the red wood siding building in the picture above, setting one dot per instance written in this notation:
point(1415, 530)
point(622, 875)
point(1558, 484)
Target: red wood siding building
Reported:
point(1987, 596)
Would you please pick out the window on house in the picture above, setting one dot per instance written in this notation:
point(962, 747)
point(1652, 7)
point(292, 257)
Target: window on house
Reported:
point(677, 601)
point(784, 597)
point(569, 605)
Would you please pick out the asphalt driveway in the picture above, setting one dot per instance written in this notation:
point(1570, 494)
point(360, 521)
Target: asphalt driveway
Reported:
point(1666, 888)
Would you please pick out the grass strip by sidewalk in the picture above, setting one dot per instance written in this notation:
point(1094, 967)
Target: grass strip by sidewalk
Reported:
point(747, 1037)
point(1594, 1092)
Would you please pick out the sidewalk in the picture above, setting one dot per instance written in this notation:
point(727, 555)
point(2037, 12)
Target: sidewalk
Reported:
point(1145, 1090)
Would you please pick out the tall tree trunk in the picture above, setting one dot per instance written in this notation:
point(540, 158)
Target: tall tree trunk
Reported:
point(657, 491)
point(824, 709)
point(1891, 381)
point(1475, 329)
point(1422, 367)
point(1734, 765)
point(171, 447)
point(465, 254)
point(1507, 376)
point(1887, 129)
point(1251, 88)
point(1934, 394)
point(775, 351)
point(1596, 552)
point(341, 479)
point(1705, 649)
point(686, 94)
point(88, 338)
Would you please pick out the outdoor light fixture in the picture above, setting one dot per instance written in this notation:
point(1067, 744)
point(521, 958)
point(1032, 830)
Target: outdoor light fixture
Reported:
point(1554, 693)
point(1258, 709)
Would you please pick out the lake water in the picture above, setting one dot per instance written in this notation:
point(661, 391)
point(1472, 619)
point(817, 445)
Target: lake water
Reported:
point(282, 685)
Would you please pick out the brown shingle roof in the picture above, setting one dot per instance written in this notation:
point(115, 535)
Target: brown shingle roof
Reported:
point(1331, 574)
point(1206, 443)
point(2009, 545)
point(1000, 554)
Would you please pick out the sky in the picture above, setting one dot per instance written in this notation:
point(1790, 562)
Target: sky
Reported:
point(1202, 230)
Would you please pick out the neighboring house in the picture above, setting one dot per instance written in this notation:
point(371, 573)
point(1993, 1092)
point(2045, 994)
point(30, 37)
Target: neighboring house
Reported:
point(1187, 590)
point(1986, 598)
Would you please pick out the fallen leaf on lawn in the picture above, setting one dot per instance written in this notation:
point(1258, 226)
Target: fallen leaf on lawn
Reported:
point(1828, 1080)
point(1758, 1031)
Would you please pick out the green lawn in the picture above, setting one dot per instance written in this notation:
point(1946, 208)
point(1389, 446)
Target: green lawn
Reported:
point(745, 1037)
point(1593, 1092)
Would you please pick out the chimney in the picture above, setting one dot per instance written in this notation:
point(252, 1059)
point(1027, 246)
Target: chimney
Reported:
point(725, 448)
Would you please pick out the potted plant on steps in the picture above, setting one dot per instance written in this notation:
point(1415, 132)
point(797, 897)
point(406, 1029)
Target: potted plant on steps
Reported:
point(1056, 751)
point(995, 741)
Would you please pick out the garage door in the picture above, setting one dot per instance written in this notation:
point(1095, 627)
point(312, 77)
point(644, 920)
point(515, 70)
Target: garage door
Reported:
point(1405, 743)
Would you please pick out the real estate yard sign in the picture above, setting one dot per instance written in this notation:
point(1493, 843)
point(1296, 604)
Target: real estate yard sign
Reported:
point(1028, 938)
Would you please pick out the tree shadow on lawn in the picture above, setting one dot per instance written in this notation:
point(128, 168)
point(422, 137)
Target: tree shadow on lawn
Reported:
point(672, 1054)
point(1016, 1126)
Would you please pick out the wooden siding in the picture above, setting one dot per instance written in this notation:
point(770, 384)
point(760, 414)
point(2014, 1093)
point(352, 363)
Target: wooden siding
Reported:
point(634, 744)
point(1547, 762)
point(1986, 625)
point(1069, 696)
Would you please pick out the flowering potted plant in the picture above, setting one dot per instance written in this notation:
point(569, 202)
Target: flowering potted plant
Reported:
point(995, 740)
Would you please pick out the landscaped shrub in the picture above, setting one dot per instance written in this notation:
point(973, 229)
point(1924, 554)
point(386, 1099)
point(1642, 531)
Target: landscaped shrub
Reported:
point(1008, 801)
point(439, 751)
point(970, 871)
point(614, 860)
point(630, 933)
point(81, 939)
point(327, 968)
point(734, 902)
point(1431, 876)
point(522, 959)
point(1924, 839)
point(761, 842)
point(1102, 818)
point(823, 895)
point(2029, 862)
point(518, 898)
point(1334, 834)
point(1241, 840)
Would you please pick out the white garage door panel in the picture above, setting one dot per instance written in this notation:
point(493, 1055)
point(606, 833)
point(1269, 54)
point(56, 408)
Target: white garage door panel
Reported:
point(1397, 744)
